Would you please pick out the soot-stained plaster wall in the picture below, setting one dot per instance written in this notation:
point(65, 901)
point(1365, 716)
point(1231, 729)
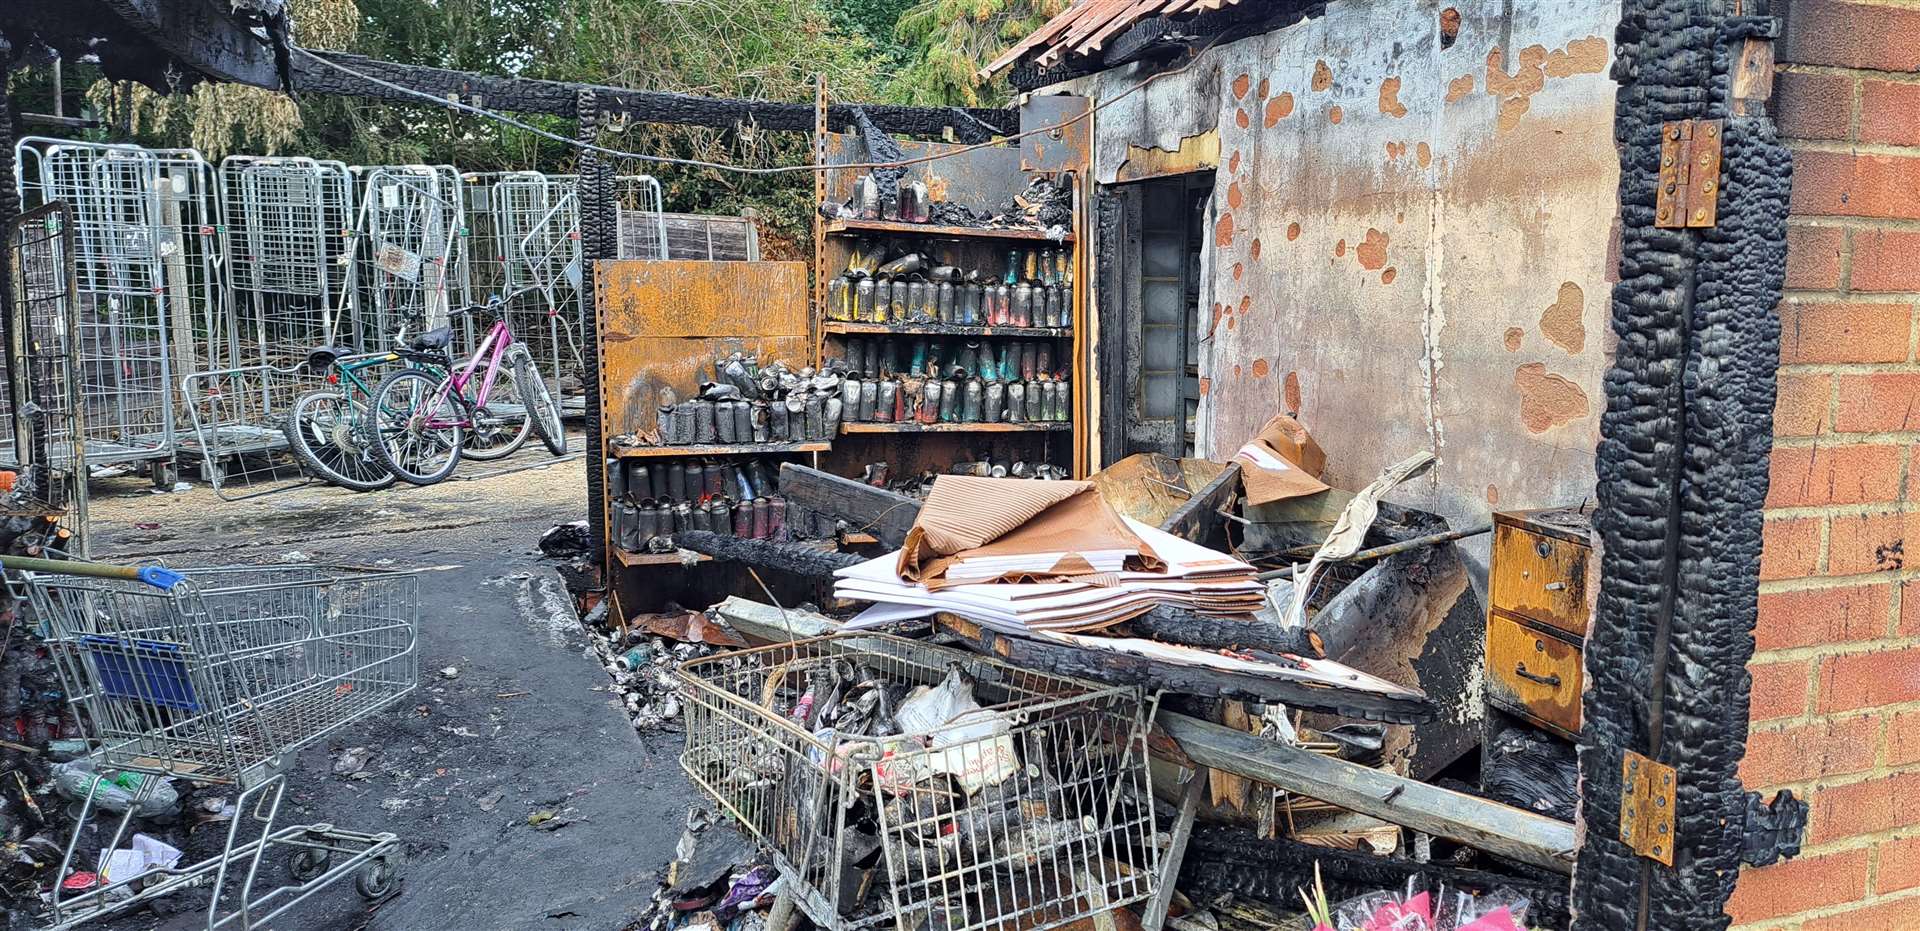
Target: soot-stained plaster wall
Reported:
point(1411, 241)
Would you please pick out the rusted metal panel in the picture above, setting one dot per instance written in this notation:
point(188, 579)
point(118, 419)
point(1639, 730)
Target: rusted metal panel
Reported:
point(1064, 148)
point(1409, 244)
point(663, 323)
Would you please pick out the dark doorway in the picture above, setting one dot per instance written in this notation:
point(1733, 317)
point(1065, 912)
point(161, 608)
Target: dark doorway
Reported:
point(1150, 314)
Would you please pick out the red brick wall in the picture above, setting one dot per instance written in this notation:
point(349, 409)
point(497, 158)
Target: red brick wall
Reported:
point(1836, 679)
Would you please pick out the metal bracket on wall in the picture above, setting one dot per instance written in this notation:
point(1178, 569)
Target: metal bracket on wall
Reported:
point(1646, 807)
point(1773, 829)
point(1689, 174)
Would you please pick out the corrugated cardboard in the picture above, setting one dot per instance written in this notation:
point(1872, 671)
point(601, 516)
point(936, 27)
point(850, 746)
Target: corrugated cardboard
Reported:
point(1281, 461)
point(966, 516)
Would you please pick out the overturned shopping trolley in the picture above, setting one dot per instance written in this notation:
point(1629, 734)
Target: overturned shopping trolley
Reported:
point(222, 676)
point(906, 785)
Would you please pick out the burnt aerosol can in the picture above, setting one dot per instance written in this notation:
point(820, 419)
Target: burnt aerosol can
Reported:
point(943, 302)
point(866, 198)
point(757, 420)
point(796, 417)
point(834, 412)
point(741, 521)
point(1026, 359)
point(1043, 357)
point(777, 421)
point(1056, 309)
point(627, 527)
point(1022, 313)
point(863, 301)
point(1017, 402)
point(816, 417)
point(970, 297)
point(913, 391)
point(742, 422)
point(839, 298)
point(677, 481)
point(656, 479)
point(616, 479)
point(856, 356)
point(776, 517)
point(970, 407)
point(930, 408)
point(713, 480)
point(850, 398)
point(723, 422)
point(869, 400)
point(682, 517)
point(761, 515)
point(886, 401)
point(1002, 305)
point(949, 401)
point(703, 422)
point(1008, 368)
point(995, 402)
point(969, 357)
point(897, 301)
point(1036, 398)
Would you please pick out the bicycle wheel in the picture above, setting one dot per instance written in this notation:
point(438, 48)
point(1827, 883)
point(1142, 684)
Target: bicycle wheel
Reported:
point(414, 441)
point(542, 407)
point(502, 426)
point(328, 435)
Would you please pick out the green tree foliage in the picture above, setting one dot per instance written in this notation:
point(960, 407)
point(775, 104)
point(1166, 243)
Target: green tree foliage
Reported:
point(951, 40)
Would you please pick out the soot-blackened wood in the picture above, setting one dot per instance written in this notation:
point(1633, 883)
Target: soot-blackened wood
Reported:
point(1115, 668)
point(1222, 860)
point(524, 95)
point(806, 561)
point(1198, 520)
point(1173, 625)
point(885, 514)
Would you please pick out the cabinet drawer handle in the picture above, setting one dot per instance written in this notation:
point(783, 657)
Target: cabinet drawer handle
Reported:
point(1556, 586)
point(1550, 681)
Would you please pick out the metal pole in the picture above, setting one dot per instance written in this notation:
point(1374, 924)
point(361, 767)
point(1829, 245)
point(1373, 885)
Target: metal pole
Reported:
point(1387, 550)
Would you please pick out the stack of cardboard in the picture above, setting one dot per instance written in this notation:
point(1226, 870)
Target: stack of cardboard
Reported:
point(1025, 556)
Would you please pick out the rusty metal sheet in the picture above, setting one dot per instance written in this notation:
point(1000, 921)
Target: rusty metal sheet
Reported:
point(1149, 487)
point(663, 323)
point(1067, 148)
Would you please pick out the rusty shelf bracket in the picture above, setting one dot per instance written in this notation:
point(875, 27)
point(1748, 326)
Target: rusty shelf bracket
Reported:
point(1689, 194)
point(1646, 807)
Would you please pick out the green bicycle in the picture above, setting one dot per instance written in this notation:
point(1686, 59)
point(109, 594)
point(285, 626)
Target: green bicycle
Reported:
point(330, 431)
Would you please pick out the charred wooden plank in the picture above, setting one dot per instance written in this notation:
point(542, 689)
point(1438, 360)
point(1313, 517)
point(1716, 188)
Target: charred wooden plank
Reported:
point(1196, 520)
point(1155, 675)
point(1485, 825)
point(886, 515)
point(1173, 625)
point(798, 558)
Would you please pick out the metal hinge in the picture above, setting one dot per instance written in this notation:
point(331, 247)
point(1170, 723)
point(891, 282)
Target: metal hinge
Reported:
point(1646, 807)
point(1689, 174)
point(1773, 829)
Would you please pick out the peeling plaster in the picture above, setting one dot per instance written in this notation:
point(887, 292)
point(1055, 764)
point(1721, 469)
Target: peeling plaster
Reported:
point(1390, 98)
point(1561, 322)
point(1547, 400)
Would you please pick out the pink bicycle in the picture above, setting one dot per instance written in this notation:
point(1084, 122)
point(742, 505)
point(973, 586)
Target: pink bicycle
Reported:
point(421, 418)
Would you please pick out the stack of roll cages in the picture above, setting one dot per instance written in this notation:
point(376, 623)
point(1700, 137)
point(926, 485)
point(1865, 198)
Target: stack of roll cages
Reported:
point(221, 676)
point(220, 282)
point(41, 440)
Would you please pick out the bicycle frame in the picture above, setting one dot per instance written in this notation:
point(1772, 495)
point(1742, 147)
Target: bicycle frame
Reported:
point(493, 349)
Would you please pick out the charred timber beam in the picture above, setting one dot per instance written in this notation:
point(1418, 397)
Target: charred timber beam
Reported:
point(558, 98)
point(1484, 825)
point(1196, 520)
point(885, 514)
point(798, 558)
point(1224, 860)
point(1151, 675)
point(1173, 625)
point(203, 35)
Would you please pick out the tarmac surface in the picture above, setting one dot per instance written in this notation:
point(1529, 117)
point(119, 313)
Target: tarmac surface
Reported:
point(514, 718)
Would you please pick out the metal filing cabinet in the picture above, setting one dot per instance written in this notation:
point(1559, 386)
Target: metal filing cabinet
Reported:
point(1542, 581)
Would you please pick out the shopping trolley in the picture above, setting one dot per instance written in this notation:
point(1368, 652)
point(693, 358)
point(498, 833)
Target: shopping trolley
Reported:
point(222, 676)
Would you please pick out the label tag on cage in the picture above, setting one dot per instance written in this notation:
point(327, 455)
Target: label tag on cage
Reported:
point(397, 261)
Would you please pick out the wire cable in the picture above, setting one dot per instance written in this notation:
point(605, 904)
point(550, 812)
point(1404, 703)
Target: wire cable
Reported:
point(742, 169)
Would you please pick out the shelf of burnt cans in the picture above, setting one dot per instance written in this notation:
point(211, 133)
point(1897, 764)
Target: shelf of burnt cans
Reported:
point(747, 406)
point(654, 499)
point(1032, 286)
point(927, 381)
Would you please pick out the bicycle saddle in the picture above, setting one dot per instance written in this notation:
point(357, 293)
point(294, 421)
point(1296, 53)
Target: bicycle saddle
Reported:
point(321, 358)
point(436, 338)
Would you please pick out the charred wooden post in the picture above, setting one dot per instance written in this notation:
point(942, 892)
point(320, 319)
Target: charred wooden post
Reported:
point(598, 240)
point(1196, 520)
point(810, 562)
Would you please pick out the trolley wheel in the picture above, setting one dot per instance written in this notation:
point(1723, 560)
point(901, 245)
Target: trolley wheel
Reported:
point(161, 473)
point(374, 880)
point(308, 863)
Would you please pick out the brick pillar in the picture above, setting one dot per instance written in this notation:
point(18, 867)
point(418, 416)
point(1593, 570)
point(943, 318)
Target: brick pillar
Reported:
point(1836, 678)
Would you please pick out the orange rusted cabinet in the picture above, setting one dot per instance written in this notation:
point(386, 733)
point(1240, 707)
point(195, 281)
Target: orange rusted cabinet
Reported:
point(1540, 576)
point(1533, 674)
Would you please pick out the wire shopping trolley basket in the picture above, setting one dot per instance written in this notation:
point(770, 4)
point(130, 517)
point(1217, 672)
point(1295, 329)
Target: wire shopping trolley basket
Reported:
point(222, 676)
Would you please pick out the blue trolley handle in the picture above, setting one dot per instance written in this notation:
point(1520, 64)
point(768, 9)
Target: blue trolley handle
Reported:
point(159, 577)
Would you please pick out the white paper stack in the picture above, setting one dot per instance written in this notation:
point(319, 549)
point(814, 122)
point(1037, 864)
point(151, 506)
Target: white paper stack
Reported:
point(1194, 577)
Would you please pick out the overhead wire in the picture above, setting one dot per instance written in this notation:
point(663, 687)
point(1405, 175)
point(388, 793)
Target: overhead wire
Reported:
point(743, 169)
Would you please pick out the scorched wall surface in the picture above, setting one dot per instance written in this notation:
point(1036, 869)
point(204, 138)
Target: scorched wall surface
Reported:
point(1410, 237)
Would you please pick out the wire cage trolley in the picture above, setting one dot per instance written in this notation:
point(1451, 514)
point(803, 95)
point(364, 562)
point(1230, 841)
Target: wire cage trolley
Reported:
point(222, 676)
point(907, 785)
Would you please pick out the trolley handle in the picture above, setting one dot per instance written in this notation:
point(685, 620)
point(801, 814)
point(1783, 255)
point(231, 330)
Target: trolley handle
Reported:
point(159, 577)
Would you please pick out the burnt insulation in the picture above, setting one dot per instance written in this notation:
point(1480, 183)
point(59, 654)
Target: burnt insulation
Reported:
point(598, 225)
point(1682, 468)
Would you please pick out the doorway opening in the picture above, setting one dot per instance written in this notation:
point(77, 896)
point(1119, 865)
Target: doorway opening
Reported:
point(1153, 285)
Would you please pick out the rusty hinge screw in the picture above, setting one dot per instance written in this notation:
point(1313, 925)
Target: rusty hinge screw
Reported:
point(1675, 133)
point(1664, 213)
point(1713, 130)
point(1700, 215)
